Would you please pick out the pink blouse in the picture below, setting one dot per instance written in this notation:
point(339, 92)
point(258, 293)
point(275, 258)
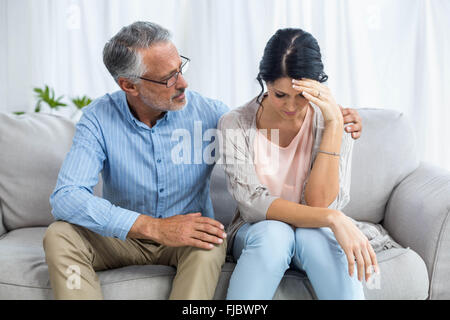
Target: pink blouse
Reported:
point(284, 170)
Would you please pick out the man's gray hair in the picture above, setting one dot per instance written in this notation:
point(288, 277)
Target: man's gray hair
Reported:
point(120, 54)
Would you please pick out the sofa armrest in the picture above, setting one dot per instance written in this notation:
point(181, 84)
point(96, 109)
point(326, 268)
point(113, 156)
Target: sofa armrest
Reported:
point(417, 216)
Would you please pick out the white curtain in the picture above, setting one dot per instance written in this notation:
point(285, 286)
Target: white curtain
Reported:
point(377, 53)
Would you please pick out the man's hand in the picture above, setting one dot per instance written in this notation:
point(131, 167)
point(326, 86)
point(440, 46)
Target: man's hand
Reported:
point(180, 230)
point(352, 117)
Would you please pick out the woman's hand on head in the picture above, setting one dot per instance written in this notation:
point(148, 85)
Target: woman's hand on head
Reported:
point(355, 245)
point(321, 96)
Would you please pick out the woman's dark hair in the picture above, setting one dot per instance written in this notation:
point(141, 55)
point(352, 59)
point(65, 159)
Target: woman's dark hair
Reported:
point(291, 53)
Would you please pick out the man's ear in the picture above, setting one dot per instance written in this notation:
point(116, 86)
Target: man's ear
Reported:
point(128, 86)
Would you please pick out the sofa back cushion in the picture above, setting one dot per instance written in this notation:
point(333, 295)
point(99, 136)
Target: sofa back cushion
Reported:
point(32, 149)
point(223, 203)
point(383, 156)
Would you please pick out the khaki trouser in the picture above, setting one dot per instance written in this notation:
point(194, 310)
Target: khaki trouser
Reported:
point(75, 250)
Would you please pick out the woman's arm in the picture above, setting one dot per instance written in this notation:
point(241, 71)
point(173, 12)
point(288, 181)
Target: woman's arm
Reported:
point(300, 216)
point(323, 183)
point(322, 187)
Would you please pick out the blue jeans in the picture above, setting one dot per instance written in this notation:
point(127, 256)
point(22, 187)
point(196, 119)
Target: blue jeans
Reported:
point(266, 249)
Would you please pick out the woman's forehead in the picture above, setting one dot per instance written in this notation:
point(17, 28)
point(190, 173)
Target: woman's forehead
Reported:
point(281, 84)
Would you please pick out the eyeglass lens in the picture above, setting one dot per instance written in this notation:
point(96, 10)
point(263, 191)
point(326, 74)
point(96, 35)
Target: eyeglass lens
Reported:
point(174, 78)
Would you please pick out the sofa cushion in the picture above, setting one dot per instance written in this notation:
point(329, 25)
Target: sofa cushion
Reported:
point(223, 203)
point(403, 276)
point(2, 226)
point(33, 149)
point(24, 275)
point(383, 156)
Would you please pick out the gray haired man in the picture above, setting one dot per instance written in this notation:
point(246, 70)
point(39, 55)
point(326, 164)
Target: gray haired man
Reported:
point(153, 211)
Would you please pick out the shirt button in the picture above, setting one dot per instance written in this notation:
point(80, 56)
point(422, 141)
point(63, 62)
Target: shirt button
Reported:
point(161, 190)
point(153, 130)
point(159, 160)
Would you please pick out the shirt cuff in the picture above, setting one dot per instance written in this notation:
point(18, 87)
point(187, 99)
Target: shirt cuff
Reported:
point(121, 222)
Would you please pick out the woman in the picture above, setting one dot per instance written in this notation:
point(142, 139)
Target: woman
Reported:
point(290, 197)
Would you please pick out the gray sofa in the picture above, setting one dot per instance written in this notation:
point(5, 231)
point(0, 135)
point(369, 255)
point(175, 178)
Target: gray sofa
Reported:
point(390, 186)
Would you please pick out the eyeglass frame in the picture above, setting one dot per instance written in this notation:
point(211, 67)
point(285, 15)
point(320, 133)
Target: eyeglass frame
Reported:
point(176, 74)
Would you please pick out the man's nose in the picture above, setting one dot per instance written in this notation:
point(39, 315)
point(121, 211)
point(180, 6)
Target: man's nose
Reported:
point(181, 82)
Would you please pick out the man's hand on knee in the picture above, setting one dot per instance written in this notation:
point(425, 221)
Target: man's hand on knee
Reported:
point(180, 230)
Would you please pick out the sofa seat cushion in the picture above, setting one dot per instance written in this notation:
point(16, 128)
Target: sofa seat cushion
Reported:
point(404, 276)
point(24, 275)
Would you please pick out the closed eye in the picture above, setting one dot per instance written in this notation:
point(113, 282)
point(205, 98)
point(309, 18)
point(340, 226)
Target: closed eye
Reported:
point(282, 95)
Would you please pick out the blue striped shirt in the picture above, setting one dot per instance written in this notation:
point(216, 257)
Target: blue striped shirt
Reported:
point(137, 165)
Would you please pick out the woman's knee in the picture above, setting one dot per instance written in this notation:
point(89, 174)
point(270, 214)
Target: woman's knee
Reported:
point(270, 233)
point(270, 243)
point(316, 241)
point(310, 237)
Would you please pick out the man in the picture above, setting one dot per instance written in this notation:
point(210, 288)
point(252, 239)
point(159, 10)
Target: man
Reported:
point(154, 210)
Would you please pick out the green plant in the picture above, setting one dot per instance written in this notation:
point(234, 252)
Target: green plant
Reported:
point(47, 96)
point(81, 102)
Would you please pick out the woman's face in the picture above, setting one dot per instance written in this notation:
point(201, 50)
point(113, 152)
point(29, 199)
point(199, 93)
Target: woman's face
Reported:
point(284, 100)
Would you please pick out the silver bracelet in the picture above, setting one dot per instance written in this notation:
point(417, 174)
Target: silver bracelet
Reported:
point(330, 153)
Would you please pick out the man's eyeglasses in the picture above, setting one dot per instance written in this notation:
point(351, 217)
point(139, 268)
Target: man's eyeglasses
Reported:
point(173, 78)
